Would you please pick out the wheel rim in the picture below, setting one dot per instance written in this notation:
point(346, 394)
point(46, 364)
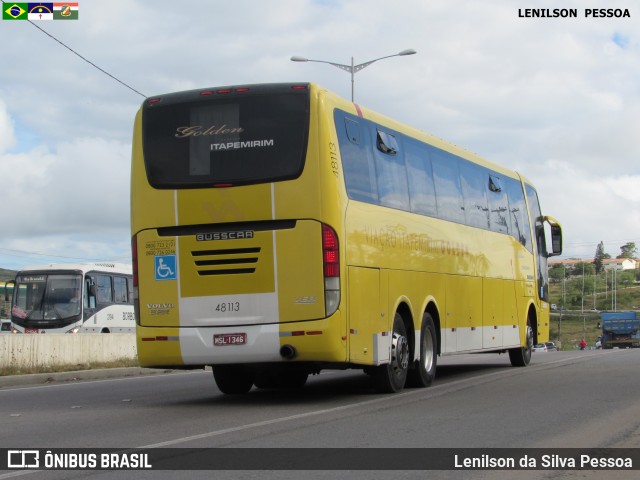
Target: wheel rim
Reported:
point(529, 348)
point(399, 353)
point(427, 359)
point(529, 337)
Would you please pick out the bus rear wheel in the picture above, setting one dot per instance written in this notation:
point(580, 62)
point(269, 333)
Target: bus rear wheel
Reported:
point(234, 379)
point(521, 356)
point(424, 371)
point(391, 377)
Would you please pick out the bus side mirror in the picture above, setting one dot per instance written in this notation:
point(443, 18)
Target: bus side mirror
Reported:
point(555, 231)
point(91, 290)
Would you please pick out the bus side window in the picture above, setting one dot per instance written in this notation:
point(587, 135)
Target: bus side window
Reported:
point(120, 289)
point(393, 190)
point(446, 177)
point(357, 160)
point(104, 291)
point(473, 179)
point(130, 291)
point(518, 213)
point(498, 206)
point(422, 192)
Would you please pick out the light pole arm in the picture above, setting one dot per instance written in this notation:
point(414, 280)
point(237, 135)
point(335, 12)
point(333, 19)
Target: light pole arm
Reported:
point(346, 68)
point(353, 69)
point(360, 66)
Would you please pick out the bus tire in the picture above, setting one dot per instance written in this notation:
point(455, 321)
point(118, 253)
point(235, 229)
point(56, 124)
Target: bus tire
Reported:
point(424, 370)
point(521, 356)
point(234, 379)
point(391, 377)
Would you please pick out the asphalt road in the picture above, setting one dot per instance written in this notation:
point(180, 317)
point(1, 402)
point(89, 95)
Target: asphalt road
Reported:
point(564, 399)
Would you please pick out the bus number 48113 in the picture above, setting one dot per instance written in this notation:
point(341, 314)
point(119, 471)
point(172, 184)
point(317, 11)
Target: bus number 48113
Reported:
point(228, 307)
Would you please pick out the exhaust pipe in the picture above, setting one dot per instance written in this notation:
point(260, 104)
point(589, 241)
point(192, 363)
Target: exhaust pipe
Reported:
point(288, 352)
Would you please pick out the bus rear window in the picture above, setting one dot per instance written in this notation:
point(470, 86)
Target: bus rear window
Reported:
point(199, 141)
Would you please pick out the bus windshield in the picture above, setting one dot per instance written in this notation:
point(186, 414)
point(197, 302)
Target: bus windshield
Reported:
point(51, 300)
point(196, 140)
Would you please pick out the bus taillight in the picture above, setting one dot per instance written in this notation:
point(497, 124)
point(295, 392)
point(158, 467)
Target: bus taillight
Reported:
point(330, 252)
point(331, 265)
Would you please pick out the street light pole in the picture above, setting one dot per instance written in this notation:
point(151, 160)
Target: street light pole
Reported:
point(353, 69)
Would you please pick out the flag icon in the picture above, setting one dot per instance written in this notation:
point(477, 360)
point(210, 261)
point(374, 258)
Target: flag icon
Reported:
point(40, 11)
point(65, 11)
point(14, 11)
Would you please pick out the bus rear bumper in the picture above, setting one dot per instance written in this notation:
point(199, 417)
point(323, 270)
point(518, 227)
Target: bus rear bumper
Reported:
point(315, 341)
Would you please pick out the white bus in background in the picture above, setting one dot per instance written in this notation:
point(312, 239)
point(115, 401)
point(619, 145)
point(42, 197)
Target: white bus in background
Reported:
point(6, 292)
point(73, 298)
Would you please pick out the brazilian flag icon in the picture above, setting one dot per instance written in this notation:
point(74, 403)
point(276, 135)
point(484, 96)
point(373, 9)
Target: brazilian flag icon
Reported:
point(14, 11)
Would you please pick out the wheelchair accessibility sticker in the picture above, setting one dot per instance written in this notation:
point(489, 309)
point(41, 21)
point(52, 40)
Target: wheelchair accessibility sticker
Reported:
point(166, 267)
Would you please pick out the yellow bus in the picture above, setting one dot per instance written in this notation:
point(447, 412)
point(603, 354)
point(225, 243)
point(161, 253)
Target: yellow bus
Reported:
point(278, 230)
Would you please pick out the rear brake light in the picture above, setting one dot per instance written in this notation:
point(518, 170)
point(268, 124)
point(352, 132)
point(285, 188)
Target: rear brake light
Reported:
point(330, 252)
point(231, 90)
point(299, 87)
point(331, 267)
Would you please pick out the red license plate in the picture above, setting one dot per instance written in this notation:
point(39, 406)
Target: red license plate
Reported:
point(224, 339)
point(31, 330)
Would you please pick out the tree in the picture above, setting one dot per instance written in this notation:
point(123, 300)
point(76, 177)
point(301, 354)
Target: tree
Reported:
point(600, 256)
point(557, 272)
point(628, 250)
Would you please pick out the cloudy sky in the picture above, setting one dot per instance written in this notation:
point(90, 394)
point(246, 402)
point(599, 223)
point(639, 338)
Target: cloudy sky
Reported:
point(556, 98)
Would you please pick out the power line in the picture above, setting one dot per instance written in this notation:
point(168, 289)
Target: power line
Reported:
point(83, 58)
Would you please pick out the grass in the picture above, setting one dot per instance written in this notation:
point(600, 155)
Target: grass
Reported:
point(574, 325)
point(16, 370)
point(567, 331)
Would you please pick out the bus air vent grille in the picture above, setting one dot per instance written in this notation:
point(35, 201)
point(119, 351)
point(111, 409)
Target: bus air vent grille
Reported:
point(232, 261)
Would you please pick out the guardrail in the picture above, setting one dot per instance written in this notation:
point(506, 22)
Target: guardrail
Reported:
point(42, 350)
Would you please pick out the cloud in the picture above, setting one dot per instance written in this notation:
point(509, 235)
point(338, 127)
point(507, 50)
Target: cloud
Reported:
point(7, 136)
point(69, 200)
point(83, 184)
